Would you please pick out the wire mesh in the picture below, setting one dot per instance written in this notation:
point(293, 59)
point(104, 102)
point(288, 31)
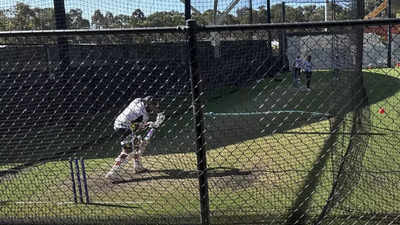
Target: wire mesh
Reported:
point(281, 148)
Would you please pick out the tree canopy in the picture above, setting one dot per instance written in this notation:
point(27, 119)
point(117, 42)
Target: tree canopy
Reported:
point(25, 17)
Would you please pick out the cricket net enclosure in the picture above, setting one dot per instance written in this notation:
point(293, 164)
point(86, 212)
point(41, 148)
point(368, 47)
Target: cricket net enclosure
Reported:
point(243, 141)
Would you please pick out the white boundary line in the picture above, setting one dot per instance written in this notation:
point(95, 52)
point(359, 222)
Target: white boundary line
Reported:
point(123, 202)
point(264, 113)
point(65, 203)
point(43, 202)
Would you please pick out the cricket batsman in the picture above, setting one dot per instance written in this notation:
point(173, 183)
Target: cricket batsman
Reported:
point(129, 125)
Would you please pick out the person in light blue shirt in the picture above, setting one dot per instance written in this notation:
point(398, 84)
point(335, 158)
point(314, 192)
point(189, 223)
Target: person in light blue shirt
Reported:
point(336, 67)
point(297, 64)
point(307, 67)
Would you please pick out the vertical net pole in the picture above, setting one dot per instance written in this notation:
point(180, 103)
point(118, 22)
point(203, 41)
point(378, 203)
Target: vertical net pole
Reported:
point(188, 11)
point(283, 40)
point(250, 18)
point(198, 122)
point(250, 12)
point(269, 32)
point(389, 54)
point(61, 24)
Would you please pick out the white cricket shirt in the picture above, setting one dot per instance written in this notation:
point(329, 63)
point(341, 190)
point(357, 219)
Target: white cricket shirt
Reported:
point(134, 110)
point(298, 63)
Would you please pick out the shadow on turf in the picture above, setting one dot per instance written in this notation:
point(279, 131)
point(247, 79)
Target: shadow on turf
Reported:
point(327, 97)
point(177, 134)
point(17, 169)
point(181, 174)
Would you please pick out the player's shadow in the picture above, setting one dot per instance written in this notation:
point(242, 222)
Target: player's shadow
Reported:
point(152, 175)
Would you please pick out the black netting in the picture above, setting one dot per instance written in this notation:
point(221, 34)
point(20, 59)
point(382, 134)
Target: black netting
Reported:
point(245, 139)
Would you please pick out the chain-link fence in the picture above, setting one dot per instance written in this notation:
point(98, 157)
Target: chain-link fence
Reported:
point(246, 139)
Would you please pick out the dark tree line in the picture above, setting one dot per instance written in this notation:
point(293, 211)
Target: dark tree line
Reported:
point(25, 17)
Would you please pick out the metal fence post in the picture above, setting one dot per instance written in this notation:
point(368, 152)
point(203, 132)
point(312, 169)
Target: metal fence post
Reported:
point(61, 24)
point(251, 12)
point(198, 121)
point(188, 10)
point(269, 32)
point(283, 40)
point(389, 15)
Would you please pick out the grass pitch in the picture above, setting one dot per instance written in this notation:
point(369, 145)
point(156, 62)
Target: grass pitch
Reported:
point(257, 165)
